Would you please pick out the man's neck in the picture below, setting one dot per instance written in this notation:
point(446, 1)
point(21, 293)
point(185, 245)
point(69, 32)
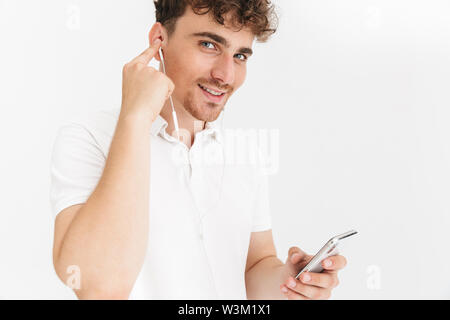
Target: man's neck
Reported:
point(188, 125)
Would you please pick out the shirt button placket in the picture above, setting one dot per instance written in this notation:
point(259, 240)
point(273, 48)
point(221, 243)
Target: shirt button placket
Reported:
point(194, 171)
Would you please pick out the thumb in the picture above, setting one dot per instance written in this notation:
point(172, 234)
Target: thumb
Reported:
point(296, 260)
point(296, 256)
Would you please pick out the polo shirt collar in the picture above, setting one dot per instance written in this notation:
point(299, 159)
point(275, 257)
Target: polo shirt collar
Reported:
point(159, 127)
point(213, 129)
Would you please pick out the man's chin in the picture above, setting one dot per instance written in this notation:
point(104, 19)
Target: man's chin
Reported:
point(209, 112)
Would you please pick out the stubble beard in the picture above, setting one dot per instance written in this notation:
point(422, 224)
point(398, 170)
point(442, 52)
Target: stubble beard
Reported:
point(207, 113)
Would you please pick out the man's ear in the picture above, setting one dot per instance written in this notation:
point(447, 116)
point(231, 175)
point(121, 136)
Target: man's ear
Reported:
point(158, 32)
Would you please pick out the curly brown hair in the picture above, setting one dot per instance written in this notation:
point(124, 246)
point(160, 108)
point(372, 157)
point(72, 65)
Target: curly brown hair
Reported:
point(258, 15)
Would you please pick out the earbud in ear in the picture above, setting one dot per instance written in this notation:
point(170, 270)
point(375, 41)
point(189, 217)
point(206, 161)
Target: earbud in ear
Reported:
point(162, 60)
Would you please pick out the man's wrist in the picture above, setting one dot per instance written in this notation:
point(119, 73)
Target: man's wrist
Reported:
point(137, 118)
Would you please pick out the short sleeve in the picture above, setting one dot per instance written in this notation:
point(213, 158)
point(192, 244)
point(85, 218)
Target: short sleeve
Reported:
point(76, 166)
point(261, 214)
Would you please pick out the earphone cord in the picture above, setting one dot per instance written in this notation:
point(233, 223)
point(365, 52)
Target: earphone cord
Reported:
point(218, 201)
point(174, 114)
point(223, 165)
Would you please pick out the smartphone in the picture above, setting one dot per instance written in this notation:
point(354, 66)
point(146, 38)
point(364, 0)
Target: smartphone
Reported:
point(329, 249)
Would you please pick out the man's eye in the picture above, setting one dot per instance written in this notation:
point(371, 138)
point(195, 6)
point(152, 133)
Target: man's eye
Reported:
point(207, 44)
point(243, 56)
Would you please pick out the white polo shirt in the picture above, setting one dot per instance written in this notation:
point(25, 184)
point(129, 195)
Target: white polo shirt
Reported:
point(204, 204)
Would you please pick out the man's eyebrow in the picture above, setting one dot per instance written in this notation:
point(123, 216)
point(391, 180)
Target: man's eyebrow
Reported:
point(219, 39)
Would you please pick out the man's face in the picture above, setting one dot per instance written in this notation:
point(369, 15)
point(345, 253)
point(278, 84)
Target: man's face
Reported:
point(202, 54)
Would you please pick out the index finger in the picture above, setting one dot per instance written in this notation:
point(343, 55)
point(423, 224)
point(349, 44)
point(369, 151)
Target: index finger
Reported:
point(146, 56)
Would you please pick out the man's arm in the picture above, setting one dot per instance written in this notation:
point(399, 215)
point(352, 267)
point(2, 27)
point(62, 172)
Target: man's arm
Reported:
point(106, 238)
point(266, 277)
point(264, 272)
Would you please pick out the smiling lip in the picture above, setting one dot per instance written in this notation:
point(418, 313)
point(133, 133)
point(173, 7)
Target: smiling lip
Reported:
point(212, 97)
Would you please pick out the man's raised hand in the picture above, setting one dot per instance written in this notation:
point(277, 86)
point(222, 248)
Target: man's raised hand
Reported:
point(144, 89)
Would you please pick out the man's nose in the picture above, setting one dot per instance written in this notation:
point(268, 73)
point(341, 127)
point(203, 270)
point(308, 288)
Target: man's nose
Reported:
point(223, 69)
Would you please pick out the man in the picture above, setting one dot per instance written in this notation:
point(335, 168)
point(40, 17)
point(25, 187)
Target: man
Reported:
point(138, 224)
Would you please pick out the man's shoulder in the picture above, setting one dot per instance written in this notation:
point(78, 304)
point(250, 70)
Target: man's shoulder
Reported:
point(98, 126)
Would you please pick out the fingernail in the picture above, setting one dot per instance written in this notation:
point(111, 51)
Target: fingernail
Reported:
point(327, 263)
point(284, 289)
point(291, 283)
point(294, 257)
point(306, 277)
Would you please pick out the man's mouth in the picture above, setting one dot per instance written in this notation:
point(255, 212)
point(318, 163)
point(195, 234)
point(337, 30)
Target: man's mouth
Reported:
point(213, 95)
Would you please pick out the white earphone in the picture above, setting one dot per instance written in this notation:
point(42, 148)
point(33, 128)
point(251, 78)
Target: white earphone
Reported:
point(174, 114)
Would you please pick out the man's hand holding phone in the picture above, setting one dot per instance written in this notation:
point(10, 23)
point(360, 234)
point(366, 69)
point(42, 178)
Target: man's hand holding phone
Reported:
point(310, 285)
point(144, 89)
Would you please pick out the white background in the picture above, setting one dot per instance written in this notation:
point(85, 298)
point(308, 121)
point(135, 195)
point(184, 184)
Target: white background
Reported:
point(359, 91)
